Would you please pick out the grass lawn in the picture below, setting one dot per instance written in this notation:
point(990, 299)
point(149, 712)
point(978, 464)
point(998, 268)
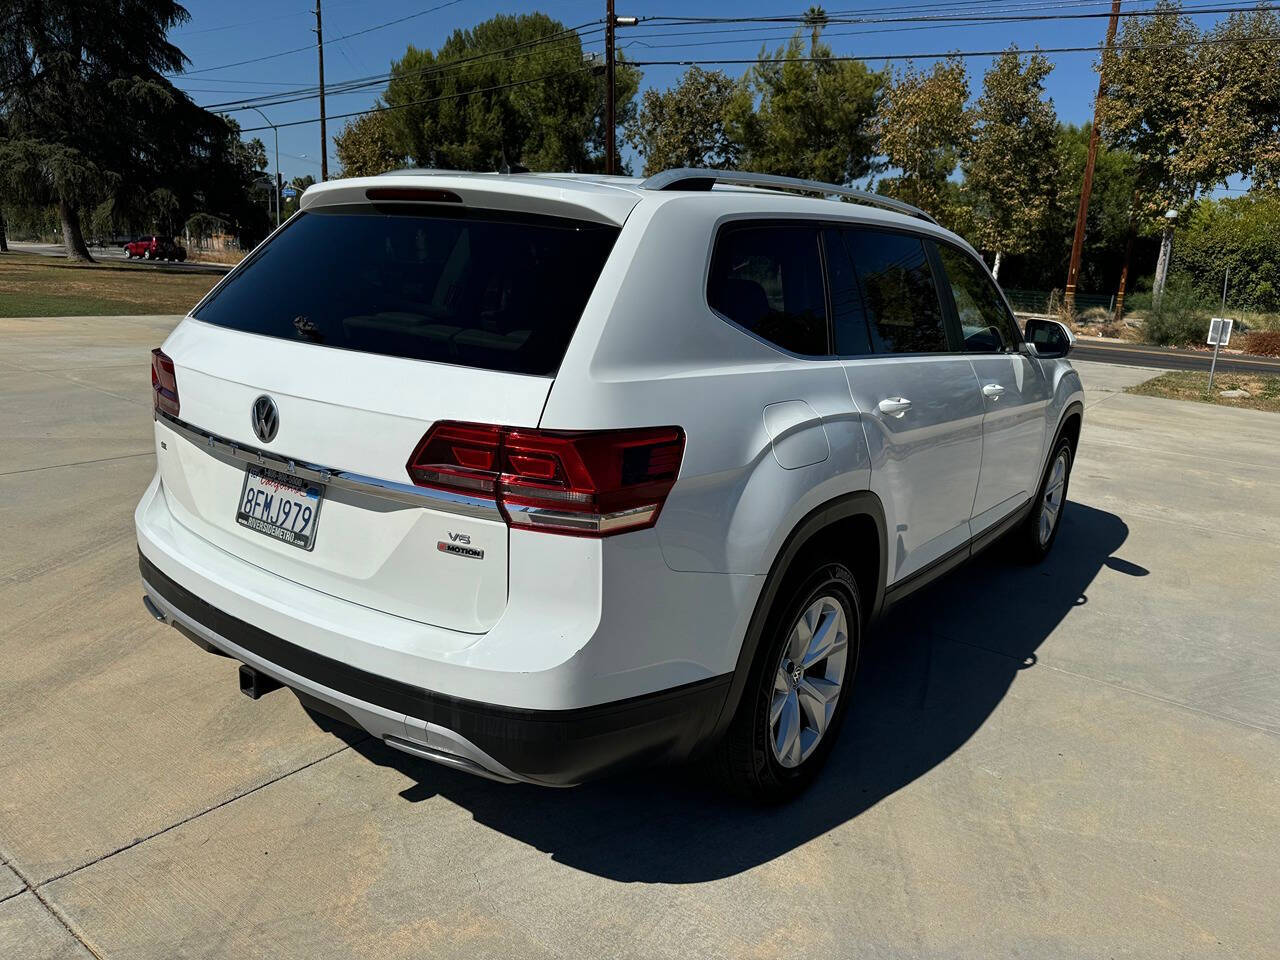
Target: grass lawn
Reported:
point(1264, 389)
point(36, 286)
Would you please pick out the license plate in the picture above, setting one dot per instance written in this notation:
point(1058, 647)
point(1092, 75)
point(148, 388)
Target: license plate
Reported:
point(280, 506)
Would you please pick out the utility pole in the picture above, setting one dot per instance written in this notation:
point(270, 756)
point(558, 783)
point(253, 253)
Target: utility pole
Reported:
point(611, 23)
point(324, 137)
point(1082, 212)
point(610, 121)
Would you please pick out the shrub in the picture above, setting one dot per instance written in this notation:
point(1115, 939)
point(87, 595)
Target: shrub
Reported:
point(1265, 343)
point(1181, 319)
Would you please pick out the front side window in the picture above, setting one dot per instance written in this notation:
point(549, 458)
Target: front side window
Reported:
point(480, 289)
point(768, 279)
point(985, 322)
point(903, 312)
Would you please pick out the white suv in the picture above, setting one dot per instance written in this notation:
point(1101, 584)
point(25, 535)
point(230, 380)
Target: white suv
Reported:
point(534, 475)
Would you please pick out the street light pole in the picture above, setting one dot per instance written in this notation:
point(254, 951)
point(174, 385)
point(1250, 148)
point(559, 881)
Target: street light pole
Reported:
point(276, 132)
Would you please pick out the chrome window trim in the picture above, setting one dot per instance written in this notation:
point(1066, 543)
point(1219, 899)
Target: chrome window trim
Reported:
point(425, 497)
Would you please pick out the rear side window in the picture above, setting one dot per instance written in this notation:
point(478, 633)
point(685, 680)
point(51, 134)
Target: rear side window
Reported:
point(985, 321)
point(472, 288)
point(768, 279)
point(903, 313)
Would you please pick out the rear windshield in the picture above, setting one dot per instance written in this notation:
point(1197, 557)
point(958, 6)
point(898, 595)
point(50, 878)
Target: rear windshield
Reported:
point(481, 289)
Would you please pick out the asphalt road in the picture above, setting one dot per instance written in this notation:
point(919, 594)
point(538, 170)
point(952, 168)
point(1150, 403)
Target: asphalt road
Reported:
point(1072, 760)
point(1169, 358)
point(113, 254)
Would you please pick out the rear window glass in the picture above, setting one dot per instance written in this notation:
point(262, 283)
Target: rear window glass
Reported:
point(477, 289)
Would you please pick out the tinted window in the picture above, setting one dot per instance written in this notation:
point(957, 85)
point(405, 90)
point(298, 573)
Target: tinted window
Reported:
point(848, 313)
point(478, 290)
point(768, 279)
point(984, 318)
point(901, 302)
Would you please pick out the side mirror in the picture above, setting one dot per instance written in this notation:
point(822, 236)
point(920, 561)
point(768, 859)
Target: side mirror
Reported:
point(1051, 339)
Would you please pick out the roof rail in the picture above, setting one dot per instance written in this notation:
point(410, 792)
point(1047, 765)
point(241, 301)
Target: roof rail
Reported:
point(695, 178)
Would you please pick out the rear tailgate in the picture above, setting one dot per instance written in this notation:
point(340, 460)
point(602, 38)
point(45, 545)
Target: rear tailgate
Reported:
point(363, 326)
point(350, 412)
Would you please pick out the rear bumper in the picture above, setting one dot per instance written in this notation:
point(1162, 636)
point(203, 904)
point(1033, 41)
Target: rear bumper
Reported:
point(550, 747)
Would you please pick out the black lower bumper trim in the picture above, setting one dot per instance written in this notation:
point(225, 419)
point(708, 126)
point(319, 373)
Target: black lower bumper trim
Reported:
point(548, 746)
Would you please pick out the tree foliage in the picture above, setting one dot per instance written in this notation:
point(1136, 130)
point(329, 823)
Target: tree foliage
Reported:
point(90, 118)
point(478, 104)
point(924, 124)
point(684, 126)
point(366, 147)
point(1233, 237)
point(1160, 108)
point(810, 118)
point(1011, 165)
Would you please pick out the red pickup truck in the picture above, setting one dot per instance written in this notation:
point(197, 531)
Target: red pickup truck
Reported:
point(154, 248)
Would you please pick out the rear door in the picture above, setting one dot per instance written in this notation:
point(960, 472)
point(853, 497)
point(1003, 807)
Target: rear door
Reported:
point(919, 398)
point(1016, 391)
point(352, 332)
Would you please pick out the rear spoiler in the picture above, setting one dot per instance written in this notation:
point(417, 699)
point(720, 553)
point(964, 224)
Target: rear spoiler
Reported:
point(549, 196)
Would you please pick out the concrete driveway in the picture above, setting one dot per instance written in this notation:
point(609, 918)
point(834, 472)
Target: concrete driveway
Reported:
point(1079, 759)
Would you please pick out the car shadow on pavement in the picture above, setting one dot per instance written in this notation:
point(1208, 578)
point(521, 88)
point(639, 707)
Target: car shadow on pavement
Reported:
point(944, 661)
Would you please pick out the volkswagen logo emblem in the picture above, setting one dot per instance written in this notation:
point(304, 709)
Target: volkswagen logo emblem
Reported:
point(266, 418)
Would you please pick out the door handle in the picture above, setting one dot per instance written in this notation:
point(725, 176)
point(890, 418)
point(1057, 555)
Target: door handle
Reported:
point(895, 406)
point(992, 390)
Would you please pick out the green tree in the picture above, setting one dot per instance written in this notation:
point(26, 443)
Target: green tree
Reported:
point(1233, 237)
point(88, 117)
point(366, 148)
point(924, 127)
point(1010, 168)
point(810, 118)
point(82, 83)
point(1239, 119)
point(684, 126)
point(514, 90)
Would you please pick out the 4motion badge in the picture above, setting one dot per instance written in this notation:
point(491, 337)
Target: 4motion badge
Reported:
point(459, 544)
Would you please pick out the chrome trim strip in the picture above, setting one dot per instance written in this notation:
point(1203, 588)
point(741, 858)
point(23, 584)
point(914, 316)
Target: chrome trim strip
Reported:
point(425, 497)
point(542, 518)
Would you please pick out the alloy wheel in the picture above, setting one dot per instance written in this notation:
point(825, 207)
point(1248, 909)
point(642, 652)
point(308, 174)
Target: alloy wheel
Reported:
point(808, 681)
point(1054, 493)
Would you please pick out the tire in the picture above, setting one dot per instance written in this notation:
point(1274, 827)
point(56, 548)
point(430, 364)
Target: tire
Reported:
point(757, 759)
point(147, 255)
point(1039, 531)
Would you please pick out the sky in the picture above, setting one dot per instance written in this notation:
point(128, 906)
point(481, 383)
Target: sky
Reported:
point(231, 31)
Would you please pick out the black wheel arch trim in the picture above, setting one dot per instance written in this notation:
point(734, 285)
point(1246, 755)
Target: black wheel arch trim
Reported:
point(863, 503)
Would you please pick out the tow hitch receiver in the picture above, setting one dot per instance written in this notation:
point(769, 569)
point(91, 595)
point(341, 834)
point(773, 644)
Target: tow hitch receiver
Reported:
point(254, 684)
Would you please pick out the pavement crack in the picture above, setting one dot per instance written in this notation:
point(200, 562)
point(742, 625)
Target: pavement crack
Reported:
point(195, 816)
point(78, 463)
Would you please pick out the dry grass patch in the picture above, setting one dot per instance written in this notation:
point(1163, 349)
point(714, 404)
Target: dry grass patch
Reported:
point(1263, 389)
point(36, 286)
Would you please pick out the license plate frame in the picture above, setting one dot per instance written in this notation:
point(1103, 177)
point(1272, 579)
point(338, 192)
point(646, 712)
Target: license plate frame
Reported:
point(292, 489)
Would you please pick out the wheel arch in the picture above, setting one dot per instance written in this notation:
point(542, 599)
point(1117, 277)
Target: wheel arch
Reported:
point(1069, 426)
point(834, 529)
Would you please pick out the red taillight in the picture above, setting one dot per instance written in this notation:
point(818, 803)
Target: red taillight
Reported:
point(164, 383)
point(589, 483)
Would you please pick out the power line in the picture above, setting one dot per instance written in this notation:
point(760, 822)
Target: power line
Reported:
point(345, 36)
point(444, 68)
point(414, 103)
point(805, 20)
point(942, 55)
